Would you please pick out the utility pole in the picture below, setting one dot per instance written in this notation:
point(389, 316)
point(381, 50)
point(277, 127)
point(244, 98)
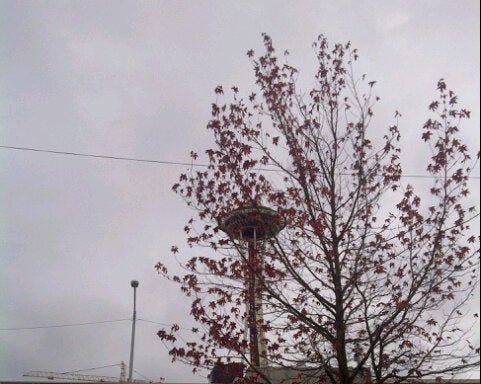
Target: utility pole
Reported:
point(134, 284)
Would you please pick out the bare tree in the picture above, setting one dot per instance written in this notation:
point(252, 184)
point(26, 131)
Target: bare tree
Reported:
point(366, 274)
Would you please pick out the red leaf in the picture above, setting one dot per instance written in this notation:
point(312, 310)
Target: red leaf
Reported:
point(426, 135)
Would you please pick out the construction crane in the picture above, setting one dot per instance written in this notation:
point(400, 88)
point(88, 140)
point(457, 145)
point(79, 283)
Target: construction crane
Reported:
point(72, 376)
point(81, 377)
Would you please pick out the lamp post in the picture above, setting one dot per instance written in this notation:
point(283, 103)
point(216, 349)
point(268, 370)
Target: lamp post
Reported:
point(134, 284)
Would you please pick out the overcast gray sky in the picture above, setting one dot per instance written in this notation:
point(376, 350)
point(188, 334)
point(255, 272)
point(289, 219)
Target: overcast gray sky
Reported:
point(135, 79)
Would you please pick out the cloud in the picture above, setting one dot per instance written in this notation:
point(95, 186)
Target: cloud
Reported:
point(136, 79)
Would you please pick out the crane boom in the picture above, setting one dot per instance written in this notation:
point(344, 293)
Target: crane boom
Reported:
point(72, 376)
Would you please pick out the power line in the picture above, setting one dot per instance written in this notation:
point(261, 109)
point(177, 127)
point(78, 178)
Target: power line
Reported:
point(155, 322)
point(63, 325)
point(86, 323)
point(167, 162)
point(164, 324)
point(143, 376)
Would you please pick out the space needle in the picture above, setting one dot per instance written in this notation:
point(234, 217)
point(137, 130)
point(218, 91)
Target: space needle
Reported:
point(252, 225)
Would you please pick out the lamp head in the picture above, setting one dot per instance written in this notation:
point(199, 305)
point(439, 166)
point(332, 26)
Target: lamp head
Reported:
point(134, 283)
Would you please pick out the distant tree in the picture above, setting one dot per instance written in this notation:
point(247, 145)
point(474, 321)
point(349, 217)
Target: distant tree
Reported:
point(368, 272)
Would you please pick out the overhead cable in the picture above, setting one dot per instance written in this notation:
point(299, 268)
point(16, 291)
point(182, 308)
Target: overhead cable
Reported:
point(143, 376)
point(163, 324)
point(63, 325)
point(168, 162)
point(165, 162)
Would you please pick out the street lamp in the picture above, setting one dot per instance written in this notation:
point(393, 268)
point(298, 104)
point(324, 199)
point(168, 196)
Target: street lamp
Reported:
point(134, 284)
